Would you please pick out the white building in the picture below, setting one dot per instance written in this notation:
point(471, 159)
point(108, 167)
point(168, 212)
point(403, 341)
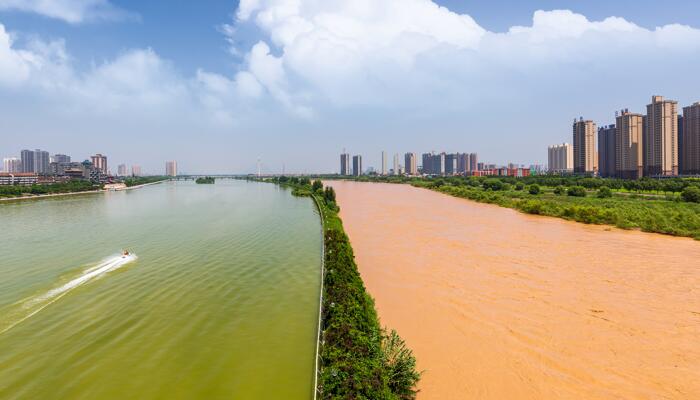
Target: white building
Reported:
point(171, 168)
point(384, 162)
point(560, 158)
point(11, 165)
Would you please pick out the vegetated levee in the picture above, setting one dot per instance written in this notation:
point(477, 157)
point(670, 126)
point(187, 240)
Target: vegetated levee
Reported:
point(660, 206)
point(358, 359)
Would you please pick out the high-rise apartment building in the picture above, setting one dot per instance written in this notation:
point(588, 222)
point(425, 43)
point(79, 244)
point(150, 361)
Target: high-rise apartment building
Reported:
point(397, 166)
point(585, 159)
point(607, 155)
point(660, 140)
point(357, 165)
point(384, 163)
point(560, 158)
point(136, 170)
point(41, 161)
point(629, 145)
point(122, 170)
point(27, 161)
point(691, 139)
point(426, 164)
point(11, 165)
point(473, 162)
point(439, 163)
point(451, 164)
point(171, 168)
point(410, 162)
point(463, 164)
point(99, 161)
point(345, 164)
point(681, 167)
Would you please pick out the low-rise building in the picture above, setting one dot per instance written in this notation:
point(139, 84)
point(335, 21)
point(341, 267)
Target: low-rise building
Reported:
point(19, 178)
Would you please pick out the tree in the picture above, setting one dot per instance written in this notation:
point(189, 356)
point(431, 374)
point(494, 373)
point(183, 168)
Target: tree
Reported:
point(317, 185)
point(691, 194)
point(329, 195)
point(534, 189)
point(519, 186)
point(604, 192)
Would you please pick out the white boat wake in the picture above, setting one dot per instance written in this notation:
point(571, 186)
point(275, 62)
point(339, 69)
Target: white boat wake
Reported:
point(33, 305)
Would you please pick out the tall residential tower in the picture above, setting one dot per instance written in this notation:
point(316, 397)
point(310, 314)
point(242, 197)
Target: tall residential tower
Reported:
point(585, 159)
point(607, 155)
point(345, 164)
point(661, 138)
point(630, 145)
point(691, 139)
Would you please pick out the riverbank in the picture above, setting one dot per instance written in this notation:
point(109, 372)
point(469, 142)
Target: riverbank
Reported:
point(358, 359)
point(571, 198)
point(49, 195)
point(498, 304)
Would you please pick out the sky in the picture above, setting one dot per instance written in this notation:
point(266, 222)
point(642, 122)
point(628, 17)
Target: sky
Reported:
point(217, 85)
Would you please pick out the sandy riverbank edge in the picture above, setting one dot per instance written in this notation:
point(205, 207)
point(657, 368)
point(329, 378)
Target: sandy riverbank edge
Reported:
point(43, 196)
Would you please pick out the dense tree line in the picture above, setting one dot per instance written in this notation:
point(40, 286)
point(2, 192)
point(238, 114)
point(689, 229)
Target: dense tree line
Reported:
point(67, 187)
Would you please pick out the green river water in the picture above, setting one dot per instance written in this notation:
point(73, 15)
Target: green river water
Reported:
point(221, 302)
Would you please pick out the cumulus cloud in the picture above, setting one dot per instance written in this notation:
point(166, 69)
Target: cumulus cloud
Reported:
point(137, 82)
point(395, 53)
point(71, 11)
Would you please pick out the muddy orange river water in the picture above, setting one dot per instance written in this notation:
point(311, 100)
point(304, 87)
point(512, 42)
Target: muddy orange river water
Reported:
point(501, 305)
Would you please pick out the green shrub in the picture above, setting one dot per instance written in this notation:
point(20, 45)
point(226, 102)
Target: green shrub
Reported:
point(559, 190)
point(604, 192)
point(576, 191)
point(519, 186)
point(534, 189)
point(691, 194)
point(493, 184)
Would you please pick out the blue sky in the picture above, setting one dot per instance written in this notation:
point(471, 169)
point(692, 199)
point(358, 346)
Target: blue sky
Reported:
point(216, 84)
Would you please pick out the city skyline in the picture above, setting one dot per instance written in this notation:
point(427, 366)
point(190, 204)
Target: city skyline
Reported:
point(446, 70)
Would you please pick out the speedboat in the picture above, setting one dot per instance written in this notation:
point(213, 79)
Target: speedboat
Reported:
point(125, 254)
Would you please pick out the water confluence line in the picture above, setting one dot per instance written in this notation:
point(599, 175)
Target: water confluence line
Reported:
point(320, 297)
point(42, 196)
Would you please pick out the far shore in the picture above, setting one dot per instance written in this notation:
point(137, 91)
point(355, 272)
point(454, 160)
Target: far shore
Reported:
point(42, 196)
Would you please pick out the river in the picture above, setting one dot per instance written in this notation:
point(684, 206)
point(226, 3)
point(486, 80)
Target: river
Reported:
point(219, 300)
point(497, 304)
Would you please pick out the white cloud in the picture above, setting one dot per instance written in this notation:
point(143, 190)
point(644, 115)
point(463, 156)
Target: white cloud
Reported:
point(14, 65)
point(71, 11)
point(396, 53)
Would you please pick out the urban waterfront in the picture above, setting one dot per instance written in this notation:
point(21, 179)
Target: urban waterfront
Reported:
point(221, 301)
